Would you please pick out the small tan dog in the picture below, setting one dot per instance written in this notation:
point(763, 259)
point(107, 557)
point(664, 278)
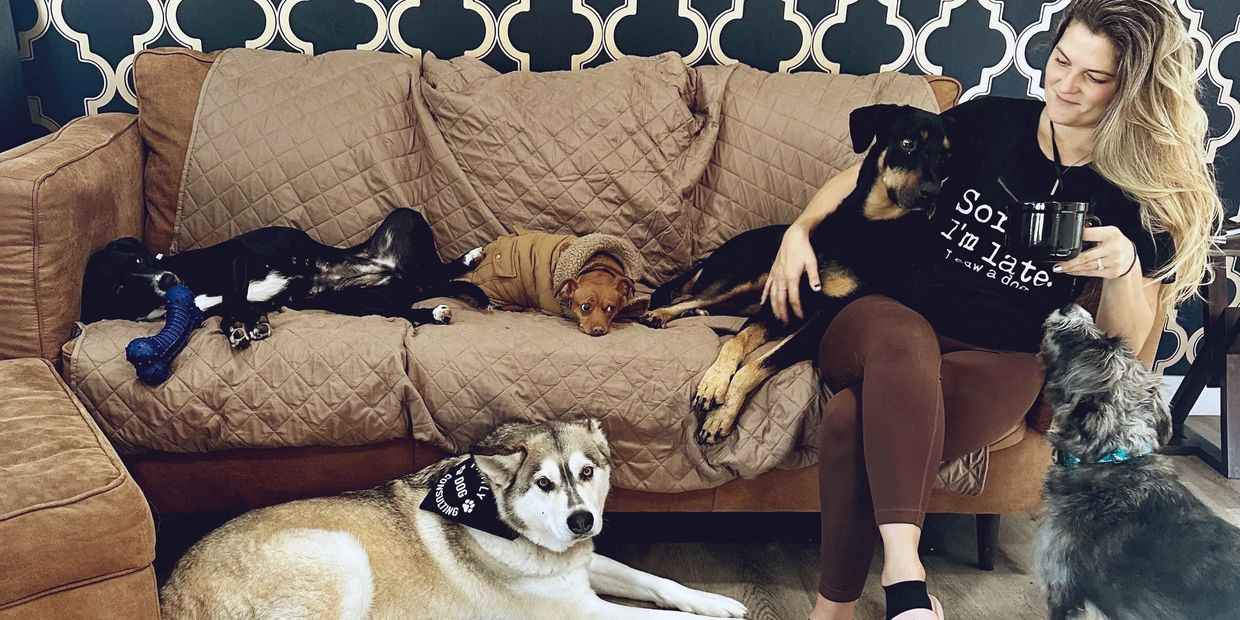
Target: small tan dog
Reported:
point(587, 279)
point(503, 534)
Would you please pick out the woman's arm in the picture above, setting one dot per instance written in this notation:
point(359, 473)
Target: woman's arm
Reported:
point(827, 199)
point(796, 256)
point(1129, 300)
point(1128, 307)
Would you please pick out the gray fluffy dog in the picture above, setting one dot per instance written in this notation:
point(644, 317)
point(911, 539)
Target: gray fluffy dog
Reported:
point(1120, 531)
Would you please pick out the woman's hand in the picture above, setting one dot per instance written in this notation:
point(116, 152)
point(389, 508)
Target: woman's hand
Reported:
point(1111, 257)
point(783, 285)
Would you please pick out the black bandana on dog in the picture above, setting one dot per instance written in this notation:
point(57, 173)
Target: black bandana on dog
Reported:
point(463, 496)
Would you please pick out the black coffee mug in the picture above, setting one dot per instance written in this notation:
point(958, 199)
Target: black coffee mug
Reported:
point(1048, 231)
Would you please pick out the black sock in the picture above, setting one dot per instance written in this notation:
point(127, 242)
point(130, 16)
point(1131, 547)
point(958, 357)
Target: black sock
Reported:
point(904, 596)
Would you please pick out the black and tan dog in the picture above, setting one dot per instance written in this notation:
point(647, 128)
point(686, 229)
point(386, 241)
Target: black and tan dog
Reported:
point(858, 246)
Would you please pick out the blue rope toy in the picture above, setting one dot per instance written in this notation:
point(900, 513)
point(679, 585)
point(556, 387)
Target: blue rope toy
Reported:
point(152, 356)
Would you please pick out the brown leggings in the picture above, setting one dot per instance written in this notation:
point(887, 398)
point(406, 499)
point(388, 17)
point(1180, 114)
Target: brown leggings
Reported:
point(905, 400)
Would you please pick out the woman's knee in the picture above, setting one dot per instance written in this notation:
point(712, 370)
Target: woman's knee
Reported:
point(877, 328)
point(841, 422)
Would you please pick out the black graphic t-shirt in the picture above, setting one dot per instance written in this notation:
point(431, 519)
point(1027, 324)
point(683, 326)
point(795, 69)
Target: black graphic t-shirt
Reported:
point(969, 284)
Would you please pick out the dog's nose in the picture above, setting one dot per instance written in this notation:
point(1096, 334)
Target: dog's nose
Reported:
point(168, 280)
point(929, 191)
point(597, 330)
point(581, 522)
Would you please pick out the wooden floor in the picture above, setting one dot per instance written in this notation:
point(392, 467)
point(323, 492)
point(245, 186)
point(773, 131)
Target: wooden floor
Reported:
point(778, 581)
point(770, 562)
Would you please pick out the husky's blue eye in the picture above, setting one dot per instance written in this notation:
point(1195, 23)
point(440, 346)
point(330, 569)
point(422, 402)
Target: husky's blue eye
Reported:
point(545, 484)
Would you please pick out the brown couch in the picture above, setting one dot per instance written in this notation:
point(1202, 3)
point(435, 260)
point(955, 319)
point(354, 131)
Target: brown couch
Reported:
point(78, 536)
point(728, 148)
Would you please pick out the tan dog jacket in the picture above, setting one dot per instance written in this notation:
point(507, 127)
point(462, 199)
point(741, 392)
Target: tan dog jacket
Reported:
point(526, 269)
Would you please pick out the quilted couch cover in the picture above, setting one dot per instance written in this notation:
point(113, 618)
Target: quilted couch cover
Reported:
point(676, 158)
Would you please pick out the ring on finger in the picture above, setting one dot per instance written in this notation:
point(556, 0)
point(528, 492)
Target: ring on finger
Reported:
point(1099, 262)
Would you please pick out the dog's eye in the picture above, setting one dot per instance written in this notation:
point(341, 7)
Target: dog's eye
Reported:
point(907, 144)
point(587, 472)
point(611, 309)
point(545, 484)
point(585, 307)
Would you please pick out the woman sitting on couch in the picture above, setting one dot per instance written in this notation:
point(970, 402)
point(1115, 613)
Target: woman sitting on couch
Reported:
point(947, 366)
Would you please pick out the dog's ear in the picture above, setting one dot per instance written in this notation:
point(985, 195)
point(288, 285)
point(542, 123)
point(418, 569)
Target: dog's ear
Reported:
point(566, 290)
point(127, 243)
point(625, 286)
point(498, 464)
point(595, 428)
point(865, 123)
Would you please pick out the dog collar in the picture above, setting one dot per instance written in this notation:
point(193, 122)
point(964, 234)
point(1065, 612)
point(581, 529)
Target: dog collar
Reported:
point(462, 495)
point(1118, 455)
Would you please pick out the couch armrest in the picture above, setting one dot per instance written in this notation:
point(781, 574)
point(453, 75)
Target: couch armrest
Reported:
point(61, 198)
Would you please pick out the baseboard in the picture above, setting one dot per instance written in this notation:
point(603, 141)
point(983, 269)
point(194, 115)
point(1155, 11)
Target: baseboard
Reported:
point(1207, 404)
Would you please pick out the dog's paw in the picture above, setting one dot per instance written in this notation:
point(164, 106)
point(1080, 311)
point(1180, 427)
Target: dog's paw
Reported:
point(473, 256)
point(705, 604)
point(238, 335)
point(712, 389)
point(718, 424)
point(442, 314)
point(261, 329)
point(654, 319)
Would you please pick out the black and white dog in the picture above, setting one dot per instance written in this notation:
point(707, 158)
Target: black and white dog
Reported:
point(1119, 529)
point(244, 278)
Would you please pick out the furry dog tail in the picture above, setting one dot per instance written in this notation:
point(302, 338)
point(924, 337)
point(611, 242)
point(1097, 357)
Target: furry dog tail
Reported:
point(664, 295)
point(463, 290)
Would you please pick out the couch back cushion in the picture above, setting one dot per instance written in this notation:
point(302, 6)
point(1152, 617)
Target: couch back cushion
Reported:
point(168, 82)
point(321, 143)
point(781, 137)
point(616, 149)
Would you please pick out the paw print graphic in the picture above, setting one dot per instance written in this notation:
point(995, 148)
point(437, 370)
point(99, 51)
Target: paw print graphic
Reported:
point(468, 506)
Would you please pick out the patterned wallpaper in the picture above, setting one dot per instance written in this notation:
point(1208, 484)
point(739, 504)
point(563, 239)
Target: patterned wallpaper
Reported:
point(77, 55)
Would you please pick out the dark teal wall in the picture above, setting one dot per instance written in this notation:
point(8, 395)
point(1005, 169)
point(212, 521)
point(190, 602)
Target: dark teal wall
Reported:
point(15, 126)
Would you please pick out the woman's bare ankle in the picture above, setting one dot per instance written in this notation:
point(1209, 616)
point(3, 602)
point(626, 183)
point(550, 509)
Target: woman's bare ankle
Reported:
point(900, 569)
point(825, 609)
point(900, 559)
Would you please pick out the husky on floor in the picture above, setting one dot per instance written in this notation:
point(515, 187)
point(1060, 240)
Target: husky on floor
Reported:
point(1120, 531)
point(503, 533)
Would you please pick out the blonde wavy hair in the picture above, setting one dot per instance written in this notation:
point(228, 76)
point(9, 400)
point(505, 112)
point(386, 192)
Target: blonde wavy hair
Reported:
point(1151, 141)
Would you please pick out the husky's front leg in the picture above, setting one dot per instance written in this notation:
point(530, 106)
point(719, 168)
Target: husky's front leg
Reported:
point(610, 577)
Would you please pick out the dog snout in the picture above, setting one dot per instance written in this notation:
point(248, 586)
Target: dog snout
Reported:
point(581, 522)
point(928, 191)
point(598, 330)
point(1072, 312)
point(168, 280)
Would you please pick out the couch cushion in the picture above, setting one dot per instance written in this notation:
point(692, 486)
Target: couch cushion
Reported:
point(69, 512)
point(168, 82)
point(781, 136)
point(319, 380)
point(616, 149)
point(489, 367)
point(321, 143)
